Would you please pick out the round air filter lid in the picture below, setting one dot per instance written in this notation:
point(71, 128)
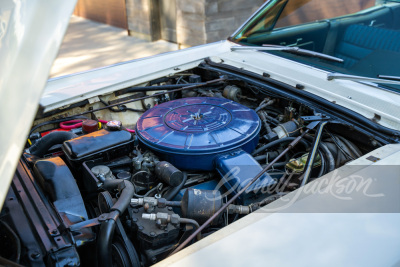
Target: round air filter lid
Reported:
point(198, 125)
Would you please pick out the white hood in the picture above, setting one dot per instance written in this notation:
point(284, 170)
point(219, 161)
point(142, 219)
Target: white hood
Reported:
point(31, 32)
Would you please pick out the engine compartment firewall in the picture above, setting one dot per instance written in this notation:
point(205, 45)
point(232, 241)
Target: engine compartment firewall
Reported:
point(197, 129)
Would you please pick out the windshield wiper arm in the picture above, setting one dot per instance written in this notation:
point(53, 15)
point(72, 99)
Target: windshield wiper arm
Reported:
point(394, 78)
point(340, 76)
point(289, 49)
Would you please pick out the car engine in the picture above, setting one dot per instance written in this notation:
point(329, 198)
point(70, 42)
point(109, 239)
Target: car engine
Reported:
point(127, 178)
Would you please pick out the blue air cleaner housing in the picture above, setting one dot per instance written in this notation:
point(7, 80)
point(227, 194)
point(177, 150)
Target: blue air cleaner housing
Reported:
point(191, 132)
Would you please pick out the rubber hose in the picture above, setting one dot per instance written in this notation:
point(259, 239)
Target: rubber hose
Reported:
point(351, 146)
point(274, 110)
point(277, 142)
point(322, 168)
point(271, 155)
point(279, 165)
point(150, 191)
point(171, 193)
point(262, 115)
point(104, 243)
point(55, 121)
point(259, 108)
point(261, 157)
point(274, 121)
point(276, 165)
point(125, 197)
point(340, 158)
point(329, 157)
point(345, 152)
point(43, 145)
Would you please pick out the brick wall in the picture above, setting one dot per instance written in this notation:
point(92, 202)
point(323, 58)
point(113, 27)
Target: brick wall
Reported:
point(190, 22)
point(206, 21)
point(223, 17)
point(197, 21)
point(139, 19)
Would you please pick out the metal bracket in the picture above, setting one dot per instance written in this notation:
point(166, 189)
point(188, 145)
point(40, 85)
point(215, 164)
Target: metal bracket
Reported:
point(113, 215)
point(314, 120)
point(311, 156)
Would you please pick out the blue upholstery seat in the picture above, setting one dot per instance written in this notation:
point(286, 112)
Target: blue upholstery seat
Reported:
point(359, 41)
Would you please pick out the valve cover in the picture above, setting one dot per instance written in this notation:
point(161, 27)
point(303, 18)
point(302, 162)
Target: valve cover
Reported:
point(191, 132)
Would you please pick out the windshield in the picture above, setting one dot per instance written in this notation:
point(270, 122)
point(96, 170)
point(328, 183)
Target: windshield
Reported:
point(364, 33)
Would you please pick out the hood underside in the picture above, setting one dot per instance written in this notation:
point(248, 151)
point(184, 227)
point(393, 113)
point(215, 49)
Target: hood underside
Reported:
point(30, 35)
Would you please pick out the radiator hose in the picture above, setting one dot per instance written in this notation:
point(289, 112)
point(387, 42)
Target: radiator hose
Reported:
point(43, 145)
point(104, 241)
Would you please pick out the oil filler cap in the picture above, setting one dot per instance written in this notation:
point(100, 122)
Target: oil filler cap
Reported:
point(193, 131)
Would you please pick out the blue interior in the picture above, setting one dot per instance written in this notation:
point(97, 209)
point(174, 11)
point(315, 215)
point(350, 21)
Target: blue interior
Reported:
point(367, 41)
point(359, 41)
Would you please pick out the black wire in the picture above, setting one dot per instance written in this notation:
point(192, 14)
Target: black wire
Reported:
point(350, 146)
point(272, 120)
point(278, 142)
point(57, 121)
point(121, 108)
point(339, 146)
point(273, 110)
point(132, 109)
point(151, 191)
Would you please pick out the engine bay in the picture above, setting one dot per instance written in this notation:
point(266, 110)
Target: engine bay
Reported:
point(127, 178)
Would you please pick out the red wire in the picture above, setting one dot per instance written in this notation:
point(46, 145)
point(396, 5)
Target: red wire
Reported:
point(66, 125)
